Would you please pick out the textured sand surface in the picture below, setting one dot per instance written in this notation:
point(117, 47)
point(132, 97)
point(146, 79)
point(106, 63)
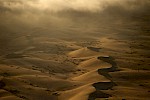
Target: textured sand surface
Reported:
point(74, 50)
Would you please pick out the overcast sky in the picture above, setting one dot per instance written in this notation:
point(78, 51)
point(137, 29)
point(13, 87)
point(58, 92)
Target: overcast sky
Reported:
point(34, 17)
point(78, 5)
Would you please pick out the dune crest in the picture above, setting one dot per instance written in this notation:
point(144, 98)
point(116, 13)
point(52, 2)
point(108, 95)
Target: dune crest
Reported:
point(97, 76)
point(84, 52)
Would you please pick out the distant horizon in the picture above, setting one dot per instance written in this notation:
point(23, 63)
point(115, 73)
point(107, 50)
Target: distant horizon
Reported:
point(77, 5)
point(74, 49)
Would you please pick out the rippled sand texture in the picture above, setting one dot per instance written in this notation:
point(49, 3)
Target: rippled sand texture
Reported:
point(90, 50)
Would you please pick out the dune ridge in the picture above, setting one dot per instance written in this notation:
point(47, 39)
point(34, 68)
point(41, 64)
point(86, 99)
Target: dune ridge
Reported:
point(93, 76)
point(97, 77)
point(74, 52)
point(84, 52)
point(104, 85)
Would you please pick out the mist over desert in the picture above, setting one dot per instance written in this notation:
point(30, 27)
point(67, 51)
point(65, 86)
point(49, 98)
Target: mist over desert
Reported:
point(74, 50)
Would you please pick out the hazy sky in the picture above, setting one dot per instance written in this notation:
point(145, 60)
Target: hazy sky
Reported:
point(62, 11)
point(78, 5)
point(64, 17)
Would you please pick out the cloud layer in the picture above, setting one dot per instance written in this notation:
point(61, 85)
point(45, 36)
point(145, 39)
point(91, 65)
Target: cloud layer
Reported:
point(77, 5)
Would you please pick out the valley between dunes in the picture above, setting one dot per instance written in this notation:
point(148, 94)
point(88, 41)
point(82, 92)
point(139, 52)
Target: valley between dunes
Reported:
point(85, 73)
point(74, 50)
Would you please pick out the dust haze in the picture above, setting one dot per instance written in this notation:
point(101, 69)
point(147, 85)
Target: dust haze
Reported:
point(37, 10)
point(78, 5)
point(20, 17)
point(74, 49)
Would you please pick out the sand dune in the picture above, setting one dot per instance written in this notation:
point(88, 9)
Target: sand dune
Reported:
point(85, 52)
point(91, 77)
point(97, 78)
point(93, 63)
point(27, 79)
point(95, 83)
point(74, 50)
point(134, 89)
point(80, 93)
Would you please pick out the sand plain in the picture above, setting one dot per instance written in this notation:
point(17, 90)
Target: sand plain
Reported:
point(75, 55)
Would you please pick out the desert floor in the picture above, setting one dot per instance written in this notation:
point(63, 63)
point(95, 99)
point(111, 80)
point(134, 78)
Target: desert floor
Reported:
point(75, 56)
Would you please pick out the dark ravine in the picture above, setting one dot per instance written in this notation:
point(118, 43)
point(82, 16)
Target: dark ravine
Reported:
point(2, 84)
point(99, 86)
point(104, 85)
